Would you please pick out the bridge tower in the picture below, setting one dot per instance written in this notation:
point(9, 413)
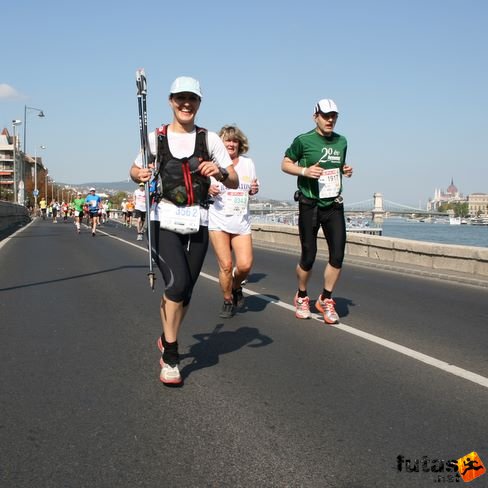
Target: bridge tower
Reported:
point(378, 211)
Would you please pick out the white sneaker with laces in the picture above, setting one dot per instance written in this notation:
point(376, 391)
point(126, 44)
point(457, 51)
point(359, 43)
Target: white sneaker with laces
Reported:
point(302, 307)
point(327, 308)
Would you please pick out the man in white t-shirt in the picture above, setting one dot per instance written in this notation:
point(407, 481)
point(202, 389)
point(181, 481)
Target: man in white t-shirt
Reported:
point(140, 210)
point(185, 169)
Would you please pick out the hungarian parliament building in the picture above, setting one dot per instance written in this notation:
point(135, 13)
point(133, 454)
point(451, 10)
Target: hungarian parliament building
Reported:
point(477, 202)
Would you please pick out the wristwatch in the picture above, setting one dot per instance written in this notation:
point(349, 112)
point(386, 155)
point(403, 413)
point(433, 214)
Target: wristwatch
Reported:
point(224, 174)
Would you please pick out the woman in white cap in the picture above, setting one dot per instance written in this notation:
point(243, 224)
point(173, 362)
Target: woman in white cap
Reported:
point(318, 159)
point(186, 156)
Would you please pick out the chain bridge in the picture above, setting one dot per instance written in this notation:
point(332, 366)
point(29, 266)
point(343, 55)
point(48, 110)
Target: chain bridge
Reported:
point(380, 208)
point(375, 208)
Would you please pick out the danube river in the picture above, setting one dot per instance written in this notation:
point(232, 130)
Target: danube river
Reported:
point(464, 235)
point(444, 233)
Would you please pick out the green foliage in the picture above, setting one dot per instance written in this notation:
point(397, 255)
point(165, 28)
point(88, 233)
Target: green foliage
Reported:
point(461, 209)
point(116, 198)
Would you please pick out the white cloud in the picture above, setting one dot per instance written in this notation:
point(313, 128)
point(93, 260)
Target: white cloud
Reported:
point(8, 93)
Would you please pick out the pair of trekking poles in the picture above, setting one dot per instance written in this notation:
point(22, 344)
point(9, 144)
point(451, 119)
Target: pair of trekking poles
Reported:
point(141, 102)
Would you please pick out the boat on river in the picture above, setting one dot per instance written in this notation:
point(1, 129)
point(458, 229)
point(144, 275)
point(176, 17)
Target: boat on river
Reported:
point(479, 221)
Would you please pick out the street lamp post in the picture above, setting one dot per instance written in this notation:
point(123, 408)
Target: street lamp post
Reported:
point(36, 191)
point(15, 123)
point(40, 114)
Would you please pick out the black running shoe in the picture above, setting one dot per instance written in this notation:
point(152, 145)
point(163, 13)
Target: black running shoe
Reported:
point(237, 298)
point(227, 310)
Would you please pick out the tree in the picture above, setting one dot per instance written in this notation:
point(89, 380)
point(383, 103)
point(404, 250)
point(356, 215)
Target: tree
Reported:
point(460, 209)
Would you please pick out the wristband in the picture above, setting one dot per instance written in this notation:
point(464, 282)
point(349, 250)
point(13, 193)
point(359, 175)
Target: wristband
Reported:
point(224, 174)
point(303, 171)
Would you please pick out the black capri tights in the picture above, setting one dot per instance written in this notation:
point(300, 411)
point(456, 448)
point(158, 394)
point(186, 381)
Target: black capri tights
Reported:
point(180, 260)
point(333, 224)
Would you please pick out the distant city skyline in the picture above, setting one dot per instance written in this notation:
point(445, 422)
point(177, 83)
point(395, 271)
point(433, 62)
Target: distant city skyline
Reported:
point(408, 79)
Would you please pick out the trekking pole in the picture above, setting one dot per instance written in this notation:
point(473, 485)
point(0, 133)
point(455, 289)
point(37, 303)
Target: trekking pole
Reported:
point(141, 101)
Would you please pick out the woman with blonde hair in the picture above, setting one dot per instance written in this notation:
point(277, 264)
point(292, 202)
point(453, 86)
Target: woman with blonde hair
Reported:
point(230, 221)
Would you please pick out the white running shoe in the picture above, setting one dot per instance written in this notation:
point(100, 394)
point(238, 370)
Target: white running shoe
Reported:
point(327, 308)
point(302, 307)
point(170, 375)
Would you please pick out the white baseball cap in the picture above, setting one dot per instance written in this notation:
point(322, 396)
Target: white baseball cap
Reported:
point(186, 84)
point(326, 105)
point(92, 189)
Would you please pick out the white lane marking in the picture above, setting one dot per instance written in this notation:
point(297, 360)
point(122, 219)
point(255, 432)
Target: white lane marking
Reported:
point(4, 241)
point(122, 240)
point(437, 363)
point(424, 358)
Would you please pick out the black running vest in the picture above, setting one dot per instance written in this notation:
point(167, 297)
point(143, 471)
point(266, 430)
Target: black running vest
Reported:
point(178, 179)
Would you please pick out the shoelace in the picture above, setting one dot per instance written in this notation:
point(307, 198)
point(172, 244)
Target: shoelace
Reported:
point(303, 303)
point(329, 306)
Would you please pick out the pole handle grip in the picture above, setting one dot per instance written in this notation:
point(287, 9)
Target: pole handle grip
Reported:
point(141, 83)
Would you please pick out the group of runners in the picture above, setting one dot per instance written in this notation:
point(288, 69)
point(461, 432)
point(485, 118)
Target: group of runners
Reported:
point(92, 208)
point(202, 182)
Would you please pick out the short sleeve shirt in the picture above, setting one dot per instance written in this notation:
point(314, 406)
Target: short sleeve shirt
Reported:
point(330, 152)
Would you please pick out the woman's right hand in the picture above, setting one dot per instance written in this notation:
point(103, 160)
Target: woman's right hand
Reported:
point(214, 190)
point(141, 175)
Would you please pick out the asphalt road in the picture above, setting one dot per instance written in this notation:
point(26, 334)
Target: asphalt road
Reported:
point(268, 400)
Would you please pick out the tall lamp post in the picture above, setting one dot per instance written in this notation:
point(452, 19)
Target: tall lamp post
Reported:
point(36, 191)
point(39, 114)
point(15, 123)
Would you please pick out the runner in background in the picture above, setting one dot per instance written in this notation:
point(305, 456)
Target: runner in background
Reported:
point(130, 210)
point(77, 206)
point(65, 210)
point(54, 211)
point(43, 207)
point(103, 207)
point(108, 206)
point(123, 206)
point(86, 215)
point(140, 210)
point(229, 221)
point(93, 201)
point(318, 158)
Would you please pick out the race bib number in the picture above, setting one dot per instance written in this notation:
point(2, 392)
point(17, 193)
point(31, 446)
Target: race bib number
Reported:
point(330, 183)
point(236, 202)
point(93, 203)
point(182, 220)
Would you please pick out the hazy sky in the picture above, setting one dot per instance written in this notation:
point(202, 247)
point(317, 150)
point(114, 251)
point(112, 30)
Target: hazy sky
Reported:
point(409, 78)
